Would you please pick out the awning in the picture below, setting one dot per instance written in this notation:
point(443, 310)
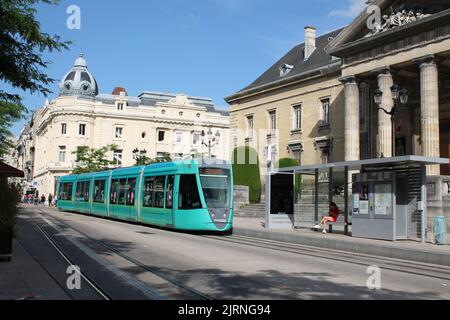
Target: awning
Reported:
point(8, 171)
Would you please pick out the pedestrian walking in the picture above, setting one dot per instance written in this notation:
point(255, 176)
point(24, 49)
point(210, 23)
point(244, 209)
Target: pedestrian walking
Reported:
point(43, 200)
point(50, 200)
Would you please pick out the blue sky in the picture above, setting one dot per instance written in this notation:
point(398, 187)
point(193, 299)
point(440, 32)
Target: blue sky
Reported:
point(209, 48)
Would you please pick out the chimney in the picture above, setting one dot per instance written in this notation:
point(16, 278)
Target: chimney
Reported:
point(310, 41)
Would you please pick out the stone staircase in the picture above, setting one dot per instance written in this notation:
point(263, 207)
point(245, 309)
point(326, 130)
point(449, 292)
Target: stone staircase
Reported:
point(251, 211)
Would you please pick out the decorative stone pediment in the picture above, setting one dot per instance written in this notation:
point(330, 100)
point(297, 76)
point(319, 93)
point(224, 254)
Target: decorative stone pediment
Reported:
point(383, 19)
point(400, 14)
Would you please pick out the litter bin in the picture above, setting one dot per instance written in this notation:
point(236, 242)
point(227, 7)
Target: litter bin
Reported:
point(440, 230)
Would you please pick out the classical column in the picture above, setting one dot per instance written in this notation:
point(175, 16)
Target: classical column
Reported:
point(384, 142)
point(429, 92)
point(352, 143)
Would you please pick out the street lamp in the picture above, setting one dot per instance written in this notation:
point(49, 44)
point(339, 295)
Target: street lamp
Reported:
point(400, 96)
point(212, 141)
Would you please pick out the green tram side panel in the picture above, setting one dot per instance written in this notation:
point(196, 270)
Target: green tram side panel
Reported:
point(100, 208)
point(161, 217)
point(65, 205)
point(124, 212)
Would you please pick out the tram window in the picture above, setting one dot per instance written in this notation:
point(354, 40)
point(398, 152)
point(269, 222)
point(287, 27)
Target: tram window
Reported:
point(159, 192)
point(123, 187)
point(82, 193)
point(131, 191)
point(169, 192)
point(148, 192)
point(189, 197)
point(99, 191)
point(114, 191)
point(65, 192)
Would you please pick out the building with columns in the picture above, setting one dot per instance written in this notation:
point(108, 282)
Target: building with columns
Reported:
point(377, 88)
point(152, 123)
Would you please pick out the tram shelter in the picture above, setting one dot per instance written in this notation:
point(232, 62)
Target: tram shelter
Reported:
point(384, 198)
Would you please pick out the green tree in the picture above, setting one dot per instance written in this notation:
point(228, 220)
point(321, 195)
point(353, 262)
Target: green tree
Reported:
point(289, 163)
point(10, 196)
point(143, 160)
point(22, 45)
point(93, 160)
point(246, 171)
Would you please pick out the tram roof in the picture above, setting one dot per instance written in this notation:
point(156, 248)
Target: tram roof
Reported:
point(399, 162)
point(163, 166)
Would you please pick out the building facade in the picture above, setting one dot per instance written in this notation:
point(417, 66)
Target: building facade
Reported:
point(295, 109)
point(154, 124)
point(320, 97)
point(379, 87)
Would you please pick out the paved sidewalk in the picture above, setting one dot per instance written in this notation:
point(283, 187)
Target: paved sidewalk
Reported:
point(25, 279)
point(405, 250)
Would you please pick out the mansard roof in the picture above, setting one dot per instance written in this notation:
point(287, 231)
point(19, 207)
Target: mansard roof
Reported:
point(295, 61)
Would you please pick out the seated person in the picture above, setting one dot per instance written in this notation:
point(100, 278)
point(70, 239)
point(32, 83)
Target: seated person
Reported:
point(333, 216)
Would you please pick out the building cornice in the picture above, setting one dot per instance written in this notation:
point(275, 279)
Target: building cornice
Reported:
point(286, 82)
point(167, 121)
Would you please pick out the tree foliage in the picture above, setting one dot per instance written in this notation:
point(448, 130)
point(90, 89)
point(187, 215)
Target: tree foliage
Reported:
point(93, 160)
point(22, 45)
point(10, 196)
point(247, 173)
point(143, 160)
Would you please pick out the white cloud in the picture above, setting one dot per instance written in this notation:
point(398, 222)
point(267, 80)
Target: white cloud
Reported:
point(354, 8)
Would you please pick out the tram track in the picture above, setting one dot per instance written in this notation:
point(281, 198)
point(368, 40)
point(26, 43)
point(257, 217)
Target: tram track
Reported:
point(191, 292)
point(103, 294)
point(395, 265)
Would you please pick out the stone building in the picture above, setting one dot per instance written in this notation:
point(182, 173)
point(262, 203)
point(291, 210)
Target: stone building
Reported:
point(152, 123)
point(296, 108)
point(325, 98)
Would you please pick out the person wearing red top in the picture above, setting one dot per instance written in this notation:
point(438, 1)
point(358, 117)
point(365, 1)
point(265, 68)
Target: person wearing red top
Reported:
point(334, 215)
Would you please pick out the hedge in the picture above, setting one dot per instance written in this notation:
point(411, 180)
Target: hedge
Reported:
point(247, 174)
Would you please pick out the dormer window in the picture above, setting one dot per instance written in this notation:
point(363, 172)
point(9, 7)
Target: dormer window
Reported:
point(120, 106)
point(285, 69)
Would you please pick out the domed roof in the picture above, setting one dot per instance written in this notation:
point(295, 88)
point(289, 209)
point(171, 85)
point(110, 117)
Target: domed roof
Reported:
point(79, 81)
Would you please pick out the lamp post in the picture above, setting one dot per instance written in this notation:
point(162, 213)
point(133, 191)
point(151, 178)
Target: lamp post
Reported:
point(400, 97)
point(212, 140)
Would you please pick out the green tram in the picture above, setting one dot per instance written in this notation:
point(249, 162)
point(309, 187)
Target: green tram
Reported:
point(191, 195)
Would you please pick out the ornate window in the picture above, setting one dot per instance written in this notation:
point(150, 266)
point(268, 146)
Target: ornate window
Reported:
point(62, 154)
point(118, 157)
point(297, 117)
point(119, 133)
point(82, 130)
point(326, 117)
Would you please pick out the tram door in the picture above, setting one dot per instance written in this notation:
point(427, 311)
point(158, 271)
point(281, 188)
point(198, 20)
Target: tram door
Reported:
point(169, 196)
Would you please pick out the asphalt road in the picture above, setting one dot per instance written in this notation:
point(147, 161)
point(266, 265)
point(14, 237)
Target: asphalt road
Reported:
point(162, 264)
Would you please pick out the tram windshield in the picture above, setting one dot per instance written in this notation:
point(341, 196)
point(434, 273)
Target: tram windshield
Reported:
point(216, 189)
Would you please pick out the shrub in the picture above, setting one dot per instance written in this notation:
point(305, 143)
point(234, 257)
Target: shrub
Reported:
point(288, 163)
point(9, 198)
point(248, 174)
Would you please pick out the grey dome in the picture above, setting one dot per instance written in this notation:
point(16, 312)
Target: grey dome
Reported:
point(79, 81)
